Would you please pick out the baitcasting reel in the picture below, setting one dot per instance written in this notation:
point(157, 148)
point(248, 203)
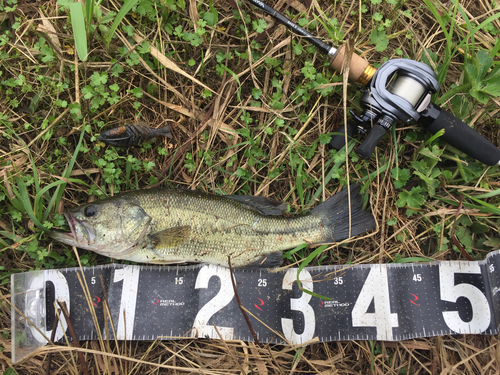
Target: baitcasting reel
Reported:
point(400, 91)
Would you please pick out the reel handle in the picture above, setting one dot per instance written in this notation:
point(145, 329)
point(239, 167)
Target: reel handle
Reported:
point(460, 135)
point(365, 149)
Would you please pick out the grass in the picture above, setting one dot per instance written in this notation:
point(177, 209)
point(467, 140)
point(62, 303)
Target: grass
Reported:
point(251, 113)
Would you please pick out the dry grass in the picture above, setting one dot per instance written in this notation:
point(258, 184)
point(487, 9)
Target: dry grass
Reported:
point(205, 128)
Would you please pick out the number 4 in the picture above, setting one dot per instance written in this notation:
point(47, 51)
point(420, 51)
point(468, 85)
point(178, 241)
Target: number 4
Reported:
point(376, 289)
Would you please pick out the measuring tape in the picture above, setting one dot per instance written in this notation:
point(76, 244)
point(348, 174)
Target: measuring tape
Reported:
point(363, 302)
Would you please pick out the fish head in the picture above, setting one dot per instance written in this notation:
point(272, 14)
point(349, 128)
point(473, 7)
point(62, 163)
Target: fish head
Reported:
point(110, 227)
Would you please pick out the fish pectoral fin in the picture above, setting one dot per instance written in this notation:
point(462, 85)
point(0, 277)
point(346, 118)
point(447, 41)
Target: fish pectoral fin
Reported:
point(266, 206)
point(271, 260)
point(171, 237)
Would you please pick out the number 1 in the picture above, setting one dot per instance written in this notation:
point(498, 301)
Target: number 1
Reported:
point(130, 277)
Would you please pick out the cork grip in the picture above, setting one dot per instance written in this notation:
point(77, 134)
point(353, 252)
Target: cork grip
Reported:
point(359, 69)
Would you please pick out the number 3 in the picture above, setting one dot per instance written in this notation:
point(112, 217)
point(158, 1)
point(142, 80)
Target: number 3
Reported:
point(299, 304)
point(450, 292)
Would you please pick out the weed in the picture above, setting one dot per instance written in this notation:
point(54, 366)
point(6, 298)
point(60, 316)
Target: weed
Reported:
point(263, 130)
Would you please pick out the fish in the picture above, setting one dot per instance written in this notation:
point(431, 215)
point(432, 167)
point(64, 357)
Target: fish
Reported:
point(133, 134)
point(170, 226)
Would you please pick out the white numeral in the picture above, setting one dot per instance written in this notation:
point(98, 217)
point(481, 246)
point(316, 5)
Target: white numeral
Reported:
point(338, 281)
point(222, 299)
point(179, 280)
point(376, 289)
point(492, 268)
point(262, 282)
point(299, 304)
point(92, 280)
point(417, 277)
point(34, 309)
point(126, 316)
point(450, 292)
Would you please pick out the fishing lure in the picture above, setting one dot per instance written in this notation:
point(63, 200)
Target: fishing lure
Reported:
point(133, 134)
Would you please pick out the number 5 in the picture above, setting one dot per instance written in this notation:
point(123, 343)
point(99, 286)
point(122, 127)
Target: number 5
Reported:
point(481, 315)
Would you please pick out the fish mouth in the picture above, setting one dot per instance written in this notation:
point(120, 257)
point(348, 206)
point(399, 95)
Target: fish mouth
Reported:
point(81, 233)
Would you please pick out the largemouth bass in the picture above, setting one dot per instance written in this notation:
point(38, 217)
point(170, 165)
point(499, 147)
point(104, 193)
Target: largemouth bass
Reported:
point(166, 226)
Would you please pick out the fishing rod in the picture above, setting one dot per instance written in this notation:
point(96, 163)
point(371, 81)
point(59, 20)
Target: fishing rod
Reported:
point(398, 92)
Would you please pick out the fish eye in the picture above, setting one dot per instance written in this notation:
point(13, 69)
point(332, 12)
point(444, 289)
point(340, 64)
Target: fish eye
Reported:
point(90, 211)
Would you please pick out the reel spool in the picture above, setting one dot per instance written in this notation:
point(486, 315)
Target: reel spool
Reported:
point(399, 91)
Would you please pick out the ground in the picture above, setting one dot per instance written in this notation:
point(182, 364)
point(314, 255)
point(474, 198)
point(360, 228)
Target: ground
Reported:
point(252, 108)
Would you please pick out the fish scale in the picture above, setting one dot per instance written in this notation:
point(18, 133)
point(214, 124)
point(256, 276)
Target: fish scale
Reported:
point(214, 237)
point(166, 226)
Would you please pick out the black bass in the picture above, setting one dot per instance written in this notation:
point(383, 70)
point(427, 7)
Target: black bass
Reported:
point(165, 226)
point(133, 135)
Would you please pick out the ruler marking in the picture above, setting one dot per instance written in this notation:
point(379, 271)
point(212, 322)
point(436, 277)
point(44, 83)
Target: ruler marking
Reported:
point(400, 332)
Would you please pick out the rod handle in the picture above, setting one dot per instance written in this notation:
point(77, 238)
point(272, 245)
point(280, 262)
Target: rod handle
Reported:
point(338, 140)
point(460, 135)
point(359, 69)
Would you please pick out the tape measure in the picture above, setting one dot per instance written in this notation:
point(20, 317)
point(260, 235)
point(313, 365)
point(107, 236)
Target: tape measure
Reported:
point(362, 302)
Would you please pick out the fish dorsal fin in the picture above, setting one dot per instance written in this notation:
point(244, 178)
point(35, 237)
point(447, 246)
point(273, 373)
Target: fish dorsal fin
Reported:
point(263, 205)
point(171, 237)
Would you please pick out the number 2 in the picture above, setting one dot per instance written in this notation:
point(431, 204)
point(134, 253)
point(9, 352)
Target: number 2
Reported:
point(221, 300)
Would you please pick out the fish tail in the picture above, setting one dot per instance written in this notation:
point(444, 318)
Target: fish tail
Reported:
point(334, 215)
point(165, 132)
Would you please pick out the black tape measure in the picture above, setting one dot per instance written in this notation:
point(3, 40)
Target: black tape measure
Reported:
point(363, 302)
